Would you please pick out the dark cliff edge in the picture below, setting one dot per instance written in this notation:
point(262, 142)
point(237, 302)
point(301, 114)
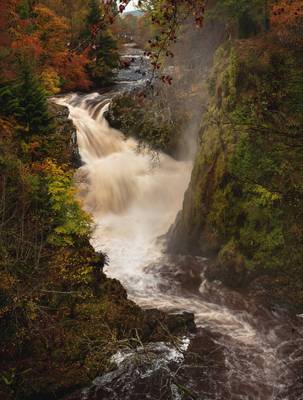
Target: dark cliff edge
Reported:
point(242, 207)
point(66, 129)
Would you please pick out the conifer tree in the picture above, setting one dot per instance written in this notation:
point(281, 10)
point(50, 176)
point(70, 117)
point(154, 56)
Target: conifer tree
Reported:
point(104, 51)
point(102, 69)
point(9, 102)
point(33, 101)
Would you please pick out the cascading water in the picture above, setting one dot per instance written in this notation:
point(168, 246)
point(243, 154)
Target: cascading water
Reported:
point(133, 204)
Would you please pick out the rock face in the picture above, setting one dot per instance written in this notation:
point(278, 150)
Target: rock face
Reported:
point(193, 233)
point(66, 129)
point(160, 370)
point(145, 119)
point(242, 205)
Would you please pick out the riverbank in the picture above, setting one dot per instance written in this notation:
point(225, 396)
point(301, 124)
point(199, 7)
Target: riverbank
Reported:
point(131, 228)
point(74, 318)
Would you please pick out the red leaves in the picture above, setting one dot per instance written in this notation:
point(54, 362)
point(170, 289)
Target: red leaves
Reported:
point(287, 13)
point(166, 79)
point(168, 16)
point(199, 21)
point(121, 8)
point(29, 45)
point(38, 166)
point(72, 68)
point(94, 30)
point(287, 22)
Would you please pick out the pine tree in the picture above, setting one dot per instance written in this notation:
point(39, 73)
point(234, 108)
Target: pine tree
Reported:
point(103, 54)
point(33, 101)
point(94, 14)
point(93, 18)
point(9, 102)
point(24, 9)
point(102, 70)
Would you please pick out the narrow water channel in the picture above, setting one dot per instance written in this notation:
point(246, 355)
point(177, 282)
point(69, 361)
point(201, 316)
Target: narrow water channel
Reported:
point(241, 350)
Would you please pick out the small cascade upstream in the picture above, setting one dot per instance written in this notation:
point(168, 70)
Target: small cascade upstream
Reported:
point(252, 353)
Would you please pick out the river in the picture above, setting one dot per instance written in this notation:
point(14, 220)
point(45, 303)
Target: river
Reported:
point(241, 350)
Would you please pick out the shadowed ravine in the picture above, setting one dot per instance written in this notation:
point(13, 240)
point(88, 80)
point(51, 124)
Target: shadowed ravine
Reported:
point(241, 351)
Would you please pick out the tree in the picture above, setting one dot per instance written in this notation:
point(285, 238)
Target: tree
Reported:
point(245, 17)
point(103, 49)
point(33, 101)
point(52, 32)
point(9, 103)
point(105, 60)
point(72, 68)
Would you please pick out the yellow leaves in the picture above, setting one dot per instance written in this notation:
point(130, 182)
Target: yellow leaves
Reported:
point(7, 281)
point(31, 310)
point(52, 29)
point(71, 266)
point(51, 81)
point(265, 196)
point(70, 220)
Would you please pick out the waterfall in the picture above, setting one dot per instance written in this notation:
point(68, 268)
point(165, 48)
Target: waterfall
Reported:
point(133, 202)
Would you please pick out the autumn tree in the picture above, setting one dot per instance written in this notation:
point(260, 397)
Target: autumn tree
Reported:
point(287, 23)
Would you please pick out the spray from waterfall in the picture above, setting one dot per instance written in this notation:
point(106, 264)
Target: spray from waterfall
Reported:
point(131, 203)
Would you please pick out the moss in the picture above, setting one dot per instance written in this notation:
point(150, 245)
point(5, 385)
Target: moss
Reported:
point(242, 205)
point(148, 120)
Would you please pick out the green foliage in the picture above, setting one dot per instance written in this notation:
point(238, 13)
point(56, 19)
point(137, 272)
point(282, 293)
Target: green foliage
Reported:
point(9, 102)
point(69, 220)
point(247, 185)
point(103, 49)
point(249, 16)
point(103, 69)
point(33, 101)
point(147, 120)
point(94, 14)
point(24, 9)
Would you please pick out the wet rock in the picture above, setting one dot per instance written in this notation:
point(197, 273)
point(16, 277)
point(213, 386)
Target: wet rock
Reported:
point(156, 324)
point(182, 323)
point(230, 274)
point(182, 371)
point(66, 128)
point(204, 370)
point(144, 373)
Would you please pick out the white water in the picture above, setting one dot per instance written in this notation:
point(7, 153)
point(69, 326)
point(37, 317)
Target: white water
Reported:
point(132, 201)
point(133, 204)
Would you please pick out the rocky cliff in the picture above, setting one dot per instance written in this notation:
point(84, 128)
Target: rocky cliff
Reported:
point(242, 208)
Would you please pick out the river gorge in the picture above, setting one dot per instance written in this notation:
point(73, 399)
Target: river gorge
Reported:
point(240, 349)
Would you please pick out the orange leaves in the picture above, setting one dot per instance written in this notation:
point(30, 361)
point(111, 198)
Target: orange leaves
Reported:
point(72, 69)
point(28, 45)
point(287, 13)
point(43, 37)
point(38, 167)
point(287, 21)
point(51, 29)
point(4, 13)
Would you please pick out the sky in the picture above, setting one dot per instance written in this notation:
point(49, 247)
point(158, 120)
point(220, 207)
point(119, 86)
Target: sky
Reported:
point(131, 6)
